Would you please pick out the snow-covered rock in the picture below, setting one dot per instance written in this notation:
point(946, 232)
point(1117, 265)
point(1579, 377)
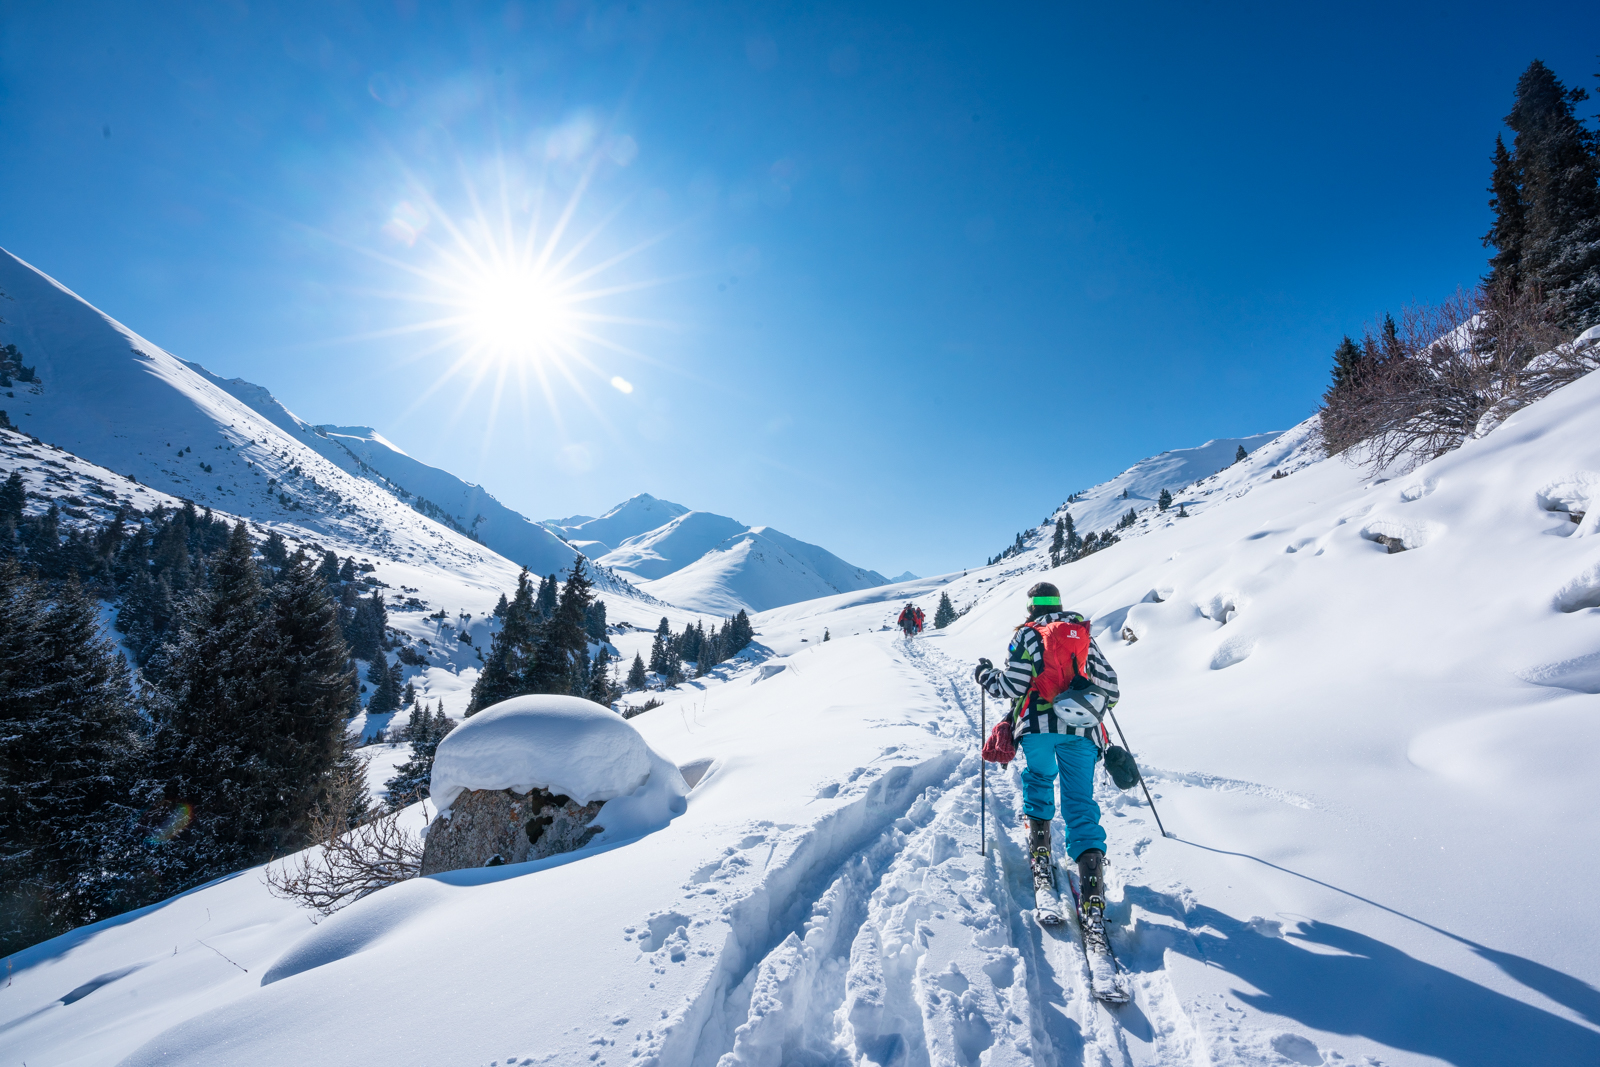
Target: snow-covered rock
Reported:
point(563, 744)
point(569, 748)
point(489, 827)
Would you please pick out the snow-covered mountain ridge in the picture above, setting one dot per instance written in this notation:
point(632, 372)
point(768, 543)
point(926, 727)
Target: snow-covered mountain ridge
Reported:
point(708, 562)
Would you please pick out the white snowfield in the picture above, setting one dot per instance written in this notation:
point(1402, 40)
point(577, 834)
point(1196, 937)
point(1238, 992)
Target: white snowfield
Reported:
point(1377, 770)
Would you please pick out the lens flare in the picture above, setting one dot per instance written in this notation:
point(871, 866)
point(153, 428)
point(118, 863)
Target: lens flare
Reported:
point(176, 821)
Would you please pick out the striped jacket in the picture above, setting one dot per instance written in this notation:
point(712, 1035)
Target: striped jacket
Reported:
point(1026, 661)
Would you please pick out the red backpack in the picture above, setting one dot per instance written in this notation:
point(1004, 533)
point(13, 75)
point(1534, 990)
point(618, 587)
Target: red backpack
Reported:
point(1066, 656)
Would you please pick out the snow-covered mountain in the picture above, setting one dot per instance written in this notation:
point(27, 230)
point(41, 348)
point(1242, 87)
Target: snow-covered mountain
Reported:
point(633, 517)
point(672, 546)
point(757, 569)
point(1375, 768)
point(708, 562)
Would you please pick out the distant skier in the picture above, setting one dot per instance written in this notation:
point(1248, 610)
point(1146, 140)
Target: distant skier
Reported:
point(908, 621)
point(1061, 686)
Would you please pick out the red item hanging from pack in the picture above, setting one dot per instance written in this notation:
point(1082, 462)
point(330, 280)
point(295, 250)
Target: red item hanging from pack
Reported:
point(1001, 747)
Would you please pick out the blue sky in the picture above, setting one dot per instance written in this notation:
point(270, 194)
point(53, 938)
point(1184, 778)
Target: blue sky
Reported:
point(894, 279)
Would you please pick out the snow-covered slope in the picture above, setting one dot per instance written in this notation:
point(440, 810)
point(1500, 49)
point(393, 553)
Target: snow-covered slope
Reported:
point(636, 515)
point(1376, 769)
point(1100, 507)
point(363, 452)
point(508, 532)
point(757, 569)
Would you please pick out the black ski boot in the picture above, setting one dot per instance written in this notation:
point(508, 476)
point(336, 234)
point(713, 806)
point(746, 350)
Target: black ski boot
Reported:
point(1044, 869)
point(1092, 890)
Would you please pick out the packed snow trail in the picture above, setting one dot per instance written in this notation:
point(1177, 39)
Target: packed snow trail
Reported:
point(924, 951)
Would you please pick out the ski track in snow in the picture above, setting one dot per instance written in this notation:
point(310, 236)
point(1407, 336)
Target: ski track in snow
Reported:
point(920, 950)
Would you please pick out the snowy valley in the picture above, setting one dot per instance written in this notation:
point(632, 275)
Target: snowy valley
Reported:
point(1365, 705)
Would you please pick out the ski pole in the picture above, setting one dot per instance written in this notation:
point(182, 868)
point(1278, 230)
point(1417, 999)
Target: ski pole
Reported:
point(1146, 788)
point(983, 775)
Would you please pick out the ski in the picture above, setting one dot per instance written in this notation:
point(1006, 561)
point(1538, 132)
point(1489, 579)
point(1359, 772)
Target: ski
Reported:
point(1047, 904)
point(1108, 979)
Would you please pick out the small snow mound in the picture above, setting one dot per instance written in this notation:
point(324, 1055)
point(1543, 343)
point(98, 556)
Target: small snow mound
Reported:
point(1575, 494)
point(1412, 493)
point(1297, 1049)
point(1582, 592)
point(1400, 536)
point(566, 745)
point(1233, 650)
point(1223, 607)
point(1581, 673)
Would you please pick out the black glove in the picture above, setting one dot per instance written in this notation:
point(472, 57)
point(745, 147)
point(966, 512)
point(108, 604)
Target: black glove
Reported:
point(983, 667)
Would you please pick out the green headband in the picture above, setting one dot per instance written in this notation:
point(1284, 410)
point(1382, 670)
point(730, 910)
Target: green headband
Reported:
point(1046, 602)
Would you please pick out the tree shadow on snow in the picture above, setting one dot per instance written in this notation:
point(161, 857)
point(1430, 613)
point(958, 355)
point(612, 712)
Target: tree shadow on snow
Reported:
point(1355, 984)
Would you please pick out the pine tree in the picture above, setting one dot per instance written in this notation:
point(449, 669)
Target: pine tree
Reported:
point(600, 687)
point(1164, 501)
point(299, 738)
point(1506, 236)
point(410, 782)
point(512, 651)
point(545, 602)
point(13, 495)
point(658, 655)
point(205, 705)
point(1241, 454)
point(1057, 545)
point(594, 621)
point(347, 573)
point(70, 753)
point(826, 637)
point(740, 634)
point(385, 686)
point(636, 673)
point(328, 571)
point(710, 655)
point(945, 613)
point(1555, 157)
point(275, 551)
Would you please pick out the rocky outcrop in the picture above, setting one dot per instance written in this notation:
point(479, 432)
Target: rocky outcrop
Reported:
point(488, 827)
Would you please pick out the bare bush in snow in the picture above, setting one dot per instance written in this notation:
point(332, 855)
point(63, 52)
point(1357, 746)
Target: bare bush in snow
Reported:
point(1412, 391)
point(347, 862)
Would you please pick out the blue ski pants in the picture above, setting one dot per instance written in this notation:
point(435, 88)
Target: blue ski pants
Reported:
point(1072, 759)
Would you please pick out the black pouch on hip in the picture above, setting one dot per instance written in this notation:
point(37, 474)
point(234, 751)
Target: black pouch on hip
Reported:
point(1119, 764)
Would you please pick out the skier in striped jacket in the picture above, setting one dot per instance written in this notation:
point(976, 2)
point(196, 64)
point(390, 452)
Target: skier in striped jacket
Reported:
point(1058, 700)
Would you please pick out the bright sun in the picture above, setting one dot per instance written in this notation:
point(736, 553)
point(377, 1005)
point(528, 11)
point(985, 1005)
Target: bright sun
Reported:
point(515, 313)
point(516, 304)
